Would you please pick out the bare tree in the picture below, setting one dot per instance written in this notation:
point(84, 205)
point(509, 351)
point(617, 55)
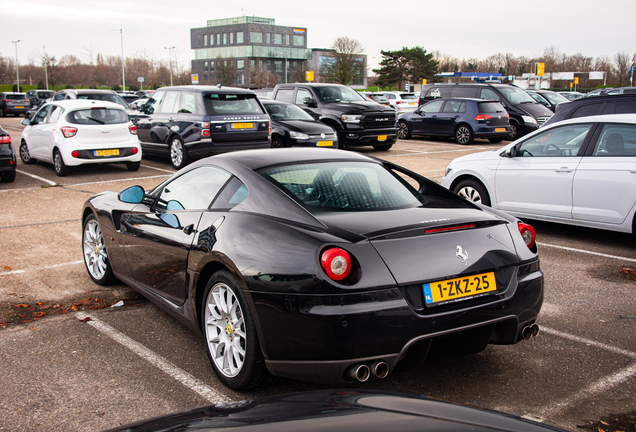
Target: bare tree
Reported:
point(346, 64)
point(225, 71)
point(622, 62)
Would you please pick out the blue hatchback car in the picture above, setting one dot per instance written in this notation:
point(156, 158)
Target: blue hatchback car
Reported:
point(463, 119)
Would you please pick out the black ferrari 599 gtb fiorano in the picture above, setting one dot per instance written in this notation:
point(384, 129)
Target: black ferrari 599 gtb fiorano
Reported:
point(317, 264)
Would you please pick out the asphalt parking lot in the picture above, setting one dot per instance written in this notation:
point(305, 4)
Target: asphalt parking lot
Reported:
point(70, 361)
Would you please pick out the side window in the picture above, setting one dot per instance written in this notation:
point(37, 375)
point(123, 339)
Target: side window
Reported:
point(586, 110)
point(557, 142)
point(188, 103)
point(465, 92)
point(616, 140)
point(489, 95)
point(452, 106)
point(608, 108)
point(55, 114)
point(41, 115)
point(285, 95)
point(153, 103)
point(432, 107)
point(232, 195)
point(194, 190)
point(438, 92)
point(301, 94)
point(625, 107)
point(59, 96)
point(390, 96)
point(170, 103)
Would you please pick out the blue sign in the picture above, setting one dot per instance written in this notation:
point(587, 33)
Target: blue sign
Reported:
point(406, 86)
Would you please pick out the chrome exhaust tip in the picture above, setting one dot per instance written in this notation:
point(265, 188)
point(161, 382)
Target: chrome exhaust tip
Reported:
point(526, 333)
point(379, 369)
point(535, 329)
point(359, 372)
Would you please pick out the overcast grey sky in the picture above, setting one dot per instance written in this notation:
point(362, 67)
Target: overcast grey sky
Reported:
point(460, 28)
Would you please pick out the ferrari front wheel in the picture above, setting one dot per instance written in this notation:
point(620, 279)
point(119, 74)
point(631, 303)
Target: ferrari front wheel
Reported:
point(230, 334)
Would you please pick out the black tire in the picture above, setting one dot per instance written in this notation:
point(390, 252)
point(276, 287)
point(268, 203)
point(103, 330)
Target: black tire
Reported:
point(220, 330)
point(58, 163)
point(2, 113)
point(25, 155)
point(515, 131)
point(496, 140)
point(133, 166)
point(472, 190)
point(7, 176)
point(277, 142)
point(94, 252)
point(403, 130)
point(178, 154)
point(384, 147)
point(464, 134)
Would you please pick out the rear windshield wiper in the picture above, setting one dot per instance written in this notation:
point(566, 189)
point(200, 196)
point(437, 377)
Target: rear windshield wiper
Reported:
point(95, 120)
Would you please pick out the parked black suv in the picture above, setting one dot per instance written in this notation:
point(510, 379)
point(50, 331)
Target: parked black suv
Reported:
point(526, 115)
point(589, 106)
point(192, 122)
point(358, 122)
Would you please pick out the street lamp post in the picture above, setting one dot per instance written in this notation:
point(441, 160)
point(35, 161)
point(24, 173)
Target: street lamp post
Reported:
point(17, 65)
point(123, 72)
point(46, 61)
point(170, 61)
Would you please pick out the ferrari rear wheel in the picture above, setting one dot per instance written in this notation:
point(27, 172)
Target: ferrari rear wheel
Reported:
point(230, 334)
point(94, 251)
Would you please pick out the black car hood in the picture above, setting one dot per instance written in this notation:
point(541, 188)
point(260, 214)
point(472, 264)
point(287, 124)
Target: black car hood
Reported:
point(536, 109)
point(358, 107)
point(308, 127)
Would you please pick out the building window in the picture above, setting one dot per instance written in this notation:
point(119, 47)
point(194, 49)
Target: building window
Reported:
point(231, 38)
point(205, 66)
point(218, 39)
point(239, 37)
point(287, 40)
point(299, 40)
point(256, 37)
point(224, 38)
point(278, 64)
point(267, 38)
point(278, 39)
point(252, 65)
point(240, 64)
point(211, 39)
point(205, 40)
point(212, 66)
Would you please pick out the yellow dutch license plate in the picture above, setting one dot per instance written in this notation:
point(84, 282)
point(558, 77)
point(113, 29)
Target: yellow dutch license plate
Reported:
point(114, 152)
point(324, 143)
point(500, 129)
point(450, 290)
point(382, 138)
point(20, 106)
point(242, 125)
point(411, 103)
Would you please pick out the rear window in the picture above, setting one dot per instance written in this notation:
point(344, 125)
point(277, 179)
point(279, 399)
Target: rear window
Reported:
point(231, 104)
point(97, 116)
point(343, 186)
point(15, 96)
point(490, 107)
point(408, 96)
point(586, 110)
point(104, 97)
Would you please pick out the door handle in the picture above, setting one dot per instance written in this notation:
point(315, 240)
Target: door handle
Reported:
point(170, 119)
point(188, 229)
point(564, 169)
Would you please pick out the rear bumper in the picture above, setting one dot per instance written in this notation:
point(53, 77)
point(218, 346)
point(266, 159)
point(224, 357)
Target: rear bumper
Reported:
point(13, 110)
point(490, 131)
point(317, 338)
point(89, 157)
point(201, 149)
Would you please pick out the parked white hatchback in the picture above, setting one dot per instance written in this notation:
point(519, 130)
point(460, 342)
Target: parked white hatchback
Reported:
point(75, 132)
point(580, 171)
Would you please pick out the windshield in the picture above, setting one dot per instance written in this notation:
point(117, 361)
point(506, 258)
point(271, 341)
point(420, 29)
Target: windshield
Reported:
point(408, 96)
point(343, 186)
point(284, 112)
point(516, 95)
point(338, 94)
point(45, 94)
point(555, 98)
point(539, 98)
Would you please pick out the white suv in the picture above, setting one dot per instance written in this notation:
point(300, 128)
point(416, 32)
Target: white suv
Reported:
point(402, 101)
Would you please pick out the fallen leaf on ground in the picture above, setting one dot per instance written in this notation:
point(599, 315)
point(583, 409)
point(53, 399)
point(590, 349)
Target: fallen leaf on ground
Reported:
point(7, 268)
point(87, 319)
point(21, 305)
point(38, 314)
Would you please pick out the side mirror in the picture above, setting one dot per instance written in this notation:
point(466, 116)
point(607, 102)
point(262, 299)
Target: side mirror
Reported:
point(26, 122)
point(132, 195)
point(510, 153)
point(310, 102)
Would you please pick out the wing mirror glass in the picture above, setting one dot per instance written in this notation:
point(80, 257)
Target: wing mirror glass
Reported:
point(26, 122)
point(132, 195)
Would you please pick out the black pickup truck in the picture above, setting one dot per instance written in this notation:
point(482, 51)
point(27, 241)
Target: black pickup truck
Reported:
point(358, 122)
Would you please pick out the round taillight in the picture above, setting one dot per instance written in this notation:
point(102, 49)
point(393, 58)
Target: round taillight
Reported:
point(336, 263)
point(528, 234)
point(135, 150)
point(75, 153)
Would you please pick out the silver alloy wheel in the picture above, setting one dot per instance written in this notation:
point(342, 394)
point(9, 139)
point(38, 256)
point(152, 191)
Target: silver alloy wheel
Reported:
point(24, 153)
point(225, 330)
point(403, 130)
point(462, 134)
point(94, 250)
point(176, 152)
point(57, 162)
point(470, 193)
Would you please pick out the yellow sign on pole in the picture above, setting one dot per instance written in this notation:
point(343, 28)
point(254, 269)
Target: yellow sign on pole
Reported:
point(576, 80)
point(540, 69)
point(424, 81)
point(309, 75)
point(571, 85)
point(195, 78)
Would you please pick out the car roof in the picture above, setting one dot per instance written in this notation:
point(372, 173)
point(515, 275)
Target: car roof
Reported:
point(89, 91)
point(602, 118)
point(85, 103)
point(208, 88)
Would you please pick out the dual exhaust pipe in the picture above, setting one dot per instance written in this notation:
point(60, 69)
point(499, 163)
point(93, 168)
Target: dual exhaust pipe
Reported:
point(361, 372)
point(530, 331)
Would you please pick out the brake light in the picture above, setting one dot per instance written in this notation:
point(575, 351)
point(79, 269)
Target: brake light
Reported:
point(336, 263)
point(453, 228)
point(69, 132)
point(7, 100)
point(135, 150)
point(132, 129)
point(5, 139)
point(206, 129)
point(75, 153)
point(528, 234)
point(482, 117)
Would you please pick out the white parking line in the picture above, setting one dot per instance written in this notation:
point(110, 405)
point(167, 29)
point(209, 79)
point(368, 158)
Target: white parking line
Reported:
point(589, 342)
point(587, 252)
point(52, 183)
point(118, 180)
point(159, 169)
point(39, 268)
point(197, 386)
point(415, 152)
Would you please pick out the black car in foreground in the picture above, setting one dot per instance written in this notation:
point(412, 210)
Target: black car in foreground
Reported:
point(462, 119)
point(187, 123)
point(317, 264)
point(293, 127)
point(340, 410)
point(8, 158)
